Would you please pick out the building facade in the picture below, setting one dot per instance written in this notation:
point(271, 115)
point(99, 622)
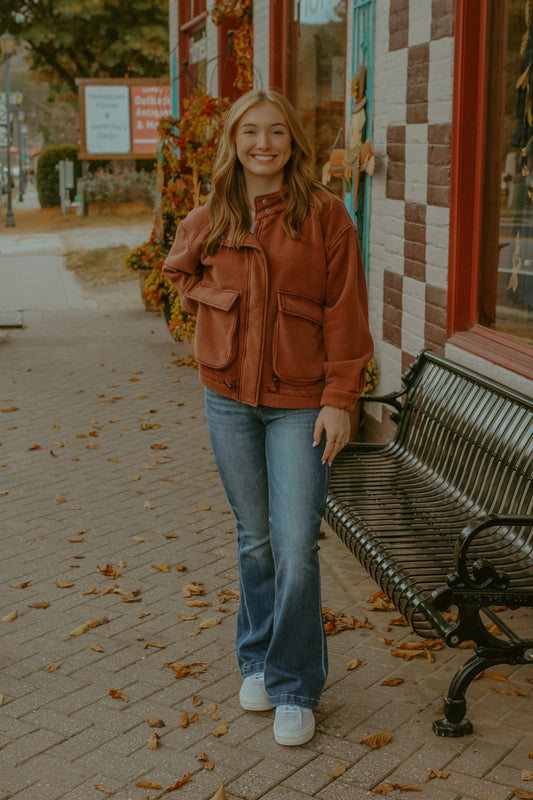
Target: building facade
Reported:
point(440, 89)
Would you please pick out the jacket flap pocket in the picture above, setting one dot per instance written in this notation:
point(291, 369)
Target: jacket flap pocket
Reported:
point(223, 299)
point(300, 306)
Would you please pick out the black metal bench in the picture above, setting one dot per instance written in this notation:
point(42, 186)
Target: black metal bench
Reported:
point(442, 516)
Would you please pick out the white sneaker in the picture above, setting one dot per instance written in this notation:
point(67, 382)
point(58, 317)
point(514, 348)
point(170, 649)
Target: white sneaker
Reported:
point(293, 725)
point(253, 696)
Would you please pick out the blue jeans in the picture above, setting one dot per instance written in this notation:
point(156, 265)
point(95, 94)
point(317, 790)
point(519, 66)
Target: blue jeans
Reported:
point(276, 485)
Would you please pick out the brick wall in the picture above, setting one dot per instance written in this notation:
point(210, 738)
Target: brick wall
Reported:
point(413, 83)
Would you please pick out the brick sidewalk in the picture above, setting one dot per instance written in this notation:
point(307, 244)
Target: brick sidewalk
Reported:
point(106, 461)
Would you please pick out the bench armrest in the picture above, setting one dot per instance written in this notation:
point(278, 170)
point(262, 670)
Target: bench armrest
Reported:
point(391, 399)
point(484, 575)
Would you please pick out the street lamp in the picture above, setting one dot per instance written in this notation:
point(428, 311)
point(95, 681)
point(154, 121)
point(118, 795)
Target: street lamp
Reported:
point(7, 45)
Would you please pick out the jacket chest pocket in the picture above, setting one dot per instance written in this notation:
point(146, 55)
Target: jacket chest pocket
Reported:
point(216, 338)
point(298, 346)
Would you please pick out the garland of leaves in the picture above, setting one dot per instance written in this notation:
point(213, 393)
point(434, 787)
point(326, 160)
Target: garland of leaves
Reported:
point(239, 14)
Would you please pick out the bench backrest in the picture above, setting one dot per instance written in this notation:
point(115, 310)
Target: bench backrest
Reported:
point(475, 434)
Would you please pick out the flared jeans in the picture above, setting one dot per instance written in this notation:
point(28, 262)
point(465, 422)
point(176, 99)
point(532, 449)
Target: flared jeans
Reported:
point(276, 485)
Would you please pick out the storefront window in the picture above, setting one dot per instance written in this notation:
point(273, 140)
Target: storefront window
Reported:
point(505, 302)
point(318, 75)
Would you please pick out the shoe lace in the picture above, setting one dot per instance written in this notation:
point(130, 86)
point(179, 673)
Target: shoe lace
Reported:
point(293, 710)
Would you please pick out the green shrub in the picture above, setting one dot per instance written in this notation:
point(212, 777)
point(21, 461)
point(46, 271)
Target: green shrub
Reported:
point(48, 174)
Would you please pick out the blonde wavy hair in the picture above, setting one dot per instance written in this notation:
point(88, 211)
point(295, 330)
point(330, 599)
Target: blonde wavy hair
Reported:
point(227, 202)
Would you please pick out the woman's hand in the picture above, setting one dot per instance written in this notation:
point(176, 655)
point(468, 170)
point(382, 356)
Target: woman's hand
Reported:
point(336, 423)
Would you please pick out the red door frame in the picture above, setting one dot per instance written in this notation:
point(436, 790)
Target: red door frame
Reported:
point(466, 194)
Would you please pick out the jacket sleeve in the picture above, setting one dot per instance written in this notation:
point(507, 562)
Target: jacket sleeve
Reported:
point(347, 337)
point(183, 264)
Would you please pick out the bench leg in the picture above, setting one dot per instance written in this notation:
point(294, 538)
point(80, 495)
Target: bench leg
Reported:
point(454, 724)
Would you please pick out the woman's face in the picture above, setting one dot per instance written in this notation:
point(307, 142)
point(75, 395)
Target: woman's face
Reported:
point(263, 143)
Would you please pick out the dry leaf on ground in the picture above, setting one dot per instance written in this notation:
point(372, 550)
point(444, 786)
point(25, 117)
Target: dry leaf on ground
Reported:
point(10, 617)
point(60, 498)
point(392, 682)
point(97, 648)
point(40, 604)
point(65, 584)
point(153, 722)
point(514, 691)
point(53, 667)
point(178, 783)
point(354, 663)
point(209, 623)
point(109, 571)
point(338, 770)
point(21, 585)
point(148, 785)
point(161, 567)
point(92, 623)
point(438, 773)
point(153, 741)
point(220, 794)
point(103, 789)
point(523, 795)
point(182, 670)
point(118, 695)
point(527, 775)
point(376, 740)
point(220, 730)
point(386, 788)
point(193, 589)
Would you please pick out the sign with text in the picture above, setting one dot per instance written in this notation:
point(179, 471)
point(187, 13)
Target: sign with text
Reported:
point(107, 127)
point(120, 117)
point(147, 104)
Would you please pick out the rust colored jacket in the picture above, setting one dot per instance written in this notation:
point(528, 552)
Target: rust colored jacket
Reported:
point(280, 322)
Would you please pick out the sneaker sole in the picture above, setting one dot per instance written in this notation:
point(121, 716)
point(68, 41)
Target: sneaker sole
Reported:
point(292, 739)
point(261, 704)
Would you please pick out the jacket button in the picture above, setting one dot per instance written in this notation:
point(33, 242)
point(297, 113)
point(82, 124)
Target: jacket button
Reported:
point(264, 202)
point(267, 210)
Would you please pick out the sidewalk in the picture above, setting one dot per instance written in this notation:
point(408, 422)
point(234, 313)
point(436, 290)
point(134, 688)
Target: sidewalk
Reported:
point(112, 512)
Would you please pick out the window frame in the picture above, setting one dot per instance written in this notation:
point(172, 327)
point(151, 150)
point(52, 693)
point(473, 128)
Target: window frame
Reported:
point(468, 161)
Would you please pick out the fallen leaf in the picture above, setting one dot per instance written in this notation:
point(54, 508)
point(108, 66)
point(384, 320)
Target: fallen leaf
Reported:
point(220, 730)
point(181, 568)
point(153, 741)
point(10, 617)
point(64, 584)
point(527, 775)
point(116, 694)
point(1, 699)
point(103, 789)
point(139, 539)
point(171, 536)
point(437, 773)
point(161, 567)
point(97, 648)
point(495, 676)
point(211, 708)
point(220, 794)
point(20, 585)
point(92, 623)
point(514, 691)
point(155, 723)
point(8, 410)
point(197, 701)
point(149, 505)
point(386, 788)
point(399, 621)
point(354, 663)
point(60, 499)
point(179, 783)
point(209, 623)
point(158, 447)
point(197, 603)
point(523, 795)
point(188, 617)
point(35, 447)
point(377, 740)
point(338, 770)
point(40, 604)
point(203, 508)
point(109, 571)
point(148, 785)
point(393, 682)
point(193, 589)
point(53, 667)
point(182, 670)
point(155, 644)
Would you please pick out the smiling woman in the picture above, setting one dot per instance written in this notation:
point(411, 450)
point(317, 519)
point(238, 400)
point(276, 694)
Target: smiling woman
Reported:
point(263, 144)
